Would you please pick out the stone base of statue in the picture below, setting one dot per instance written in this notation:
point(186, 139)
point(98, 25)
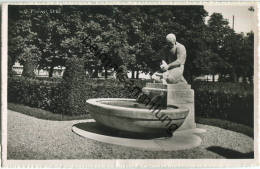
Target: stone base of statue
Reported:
point(180, 95)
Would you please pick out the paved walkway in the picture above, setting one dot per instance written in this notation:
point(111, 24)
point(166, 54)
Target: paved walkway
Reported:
point(32, 138)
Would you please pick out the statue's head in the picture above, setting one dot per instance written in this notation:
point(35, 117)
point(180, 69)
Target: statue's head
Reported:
point(171, 40)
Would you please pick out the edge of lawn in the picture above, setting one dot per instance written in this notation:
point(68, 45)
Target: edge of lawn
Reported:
point(43, 114)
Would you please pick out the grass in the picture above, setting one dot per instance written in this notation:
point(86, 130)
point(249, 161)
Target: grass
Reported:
point(43, 114)
point(37, 139)
point(225, 124)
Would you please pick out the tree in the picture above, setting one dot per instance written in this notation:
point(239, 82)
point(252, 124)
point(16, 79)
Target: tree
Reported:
point(22, 41)
point(219, 36)
point(44, 36)
point(111, 36)
point(235, 51)
point(149, 27)
point(247, 56)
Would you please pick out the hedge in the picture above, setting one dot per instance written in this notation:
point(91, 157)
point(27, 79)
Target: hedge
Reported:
point(49, 96)
point(233, 102)
point(237, 107)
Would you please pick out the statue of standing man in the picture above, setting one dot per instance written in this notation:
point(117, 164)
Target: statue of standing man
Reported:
point(173, 70)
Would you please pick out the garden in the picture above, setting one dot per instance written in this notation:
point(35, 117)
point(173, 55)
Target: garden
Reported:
point(88, 40)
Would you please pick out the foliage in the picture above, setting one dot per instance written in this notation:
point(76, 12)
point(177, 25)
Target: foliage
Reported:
point(30, 92)
point(230, 106)
point(126, 36)
point(53, 37)
point(49, 95)
point(226, 87)
point(228, 53)
point(229, 101)
point(73, 88)
point(22, 42)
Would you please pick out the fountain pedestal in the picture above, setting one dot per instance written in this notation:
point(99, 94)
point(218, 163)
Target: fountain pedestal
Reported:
point(180, 95)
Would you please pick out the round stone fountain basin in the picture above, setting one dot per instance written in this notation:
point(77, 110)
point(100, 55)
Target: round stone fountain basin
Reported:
point(128, 115)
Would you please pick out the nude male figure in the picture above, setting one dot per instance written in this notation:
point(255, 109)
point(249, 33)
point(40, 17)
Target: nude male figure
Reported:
point(173, 71)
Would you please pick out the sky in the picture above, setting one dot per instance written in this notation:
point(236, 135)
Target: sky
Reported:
point(244, 19)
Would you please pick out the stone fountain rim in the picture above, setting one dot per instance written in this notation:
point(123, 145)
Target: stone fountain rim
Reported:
point(131, 111)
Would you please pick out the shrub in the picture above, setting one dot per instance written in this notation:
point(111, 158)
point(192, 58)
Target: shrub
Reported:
point(229, 101)
point(50, 79)
point(58, 97)
point(73, 96)
point(30, 92)
point(223, 87)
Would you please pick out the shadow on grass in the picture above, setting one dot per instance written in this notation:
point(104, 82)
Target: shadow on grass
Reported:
point(230, 154)
point(97, 128)
point(240, 128)
point(43, 114)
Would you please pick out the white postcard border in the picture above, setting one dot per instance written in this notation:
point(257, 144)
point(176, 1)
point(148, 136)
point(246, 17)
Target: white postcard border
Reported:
point(130, 162)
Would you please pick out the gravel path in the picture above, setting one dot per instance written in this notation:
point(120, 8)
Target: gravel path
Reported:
point(32, 138)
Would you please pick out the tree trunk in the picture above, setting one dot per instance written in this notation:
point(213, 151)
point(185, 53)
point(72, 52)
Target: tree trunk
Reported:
point(220, 79)
point(28, 69)
point(133, 74)
point(234, 76)
point(10, 66)
point(95, 73)
point(105, 73)
point(10, 70)
point(51, 71)
point(213, 77)
point(137, 74)
point(90, 73)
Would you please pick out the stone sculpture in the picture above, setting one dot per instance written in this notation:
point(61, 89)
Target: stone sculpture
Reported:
point(171, 86)
point(172, 72)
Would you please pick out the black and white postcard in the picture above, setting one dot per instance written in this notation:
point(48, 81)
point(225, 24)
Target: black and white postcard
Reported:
point(130, 84)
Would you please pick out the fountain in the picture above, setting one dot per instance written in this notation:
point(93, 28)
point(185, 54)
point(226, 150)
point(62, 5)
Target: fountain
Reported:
point(165, 106)
point(171, 93)
point(134, 116)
